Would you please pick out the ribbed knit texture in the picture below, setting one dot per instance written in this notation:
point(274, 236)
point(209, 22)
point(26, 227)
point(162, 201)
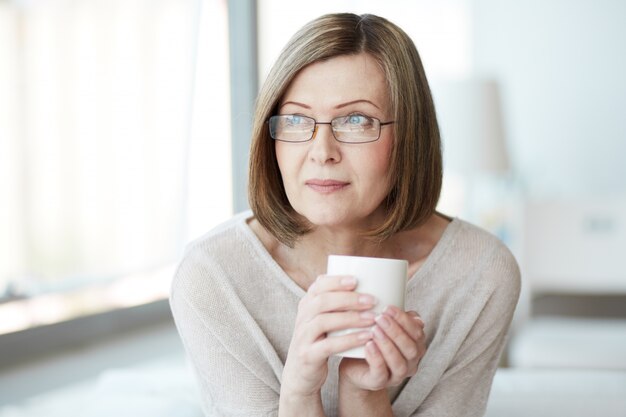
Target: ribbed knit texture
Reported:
point(235, 310)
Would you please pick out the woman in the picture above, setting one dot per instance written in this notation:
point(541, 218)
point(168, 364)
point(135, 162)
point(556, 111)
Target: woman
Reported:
point(345, 160)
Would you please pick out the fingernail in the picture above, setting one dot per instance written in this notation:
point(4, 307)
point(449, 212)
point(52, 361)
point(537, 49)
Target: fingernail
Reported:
point(383, 322)
point(378, 334)
point(367, 315)
point(348, 281)
point(391, 311)
point(416, 317)
point(364, 335)
point(367, 299)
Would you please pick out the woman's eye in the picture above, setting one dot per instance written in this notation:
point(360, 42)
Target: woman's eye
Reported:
point(294, 120)
point(359, 120)
point(356, 119)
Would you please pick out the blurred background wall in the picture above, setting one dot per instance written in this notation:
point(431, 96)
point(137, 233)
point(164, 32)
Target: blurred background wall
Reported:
point(562, 76)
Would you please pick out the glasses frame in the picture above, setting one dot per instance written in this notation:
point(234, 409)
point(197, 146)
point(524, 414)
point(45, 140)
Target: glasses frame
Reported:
point(316, 123)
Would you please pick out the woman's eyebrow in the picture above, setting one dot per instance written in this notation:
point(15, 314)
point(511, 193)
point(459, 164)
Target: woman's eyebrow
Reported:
point(296, 103)
point(339, 106)
point(354, 102)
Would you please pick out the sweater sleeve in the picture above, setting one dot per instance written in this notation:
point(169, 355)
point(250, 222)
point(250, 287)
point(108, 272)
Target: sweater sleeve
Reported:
point(232, 382)
point(464, 387)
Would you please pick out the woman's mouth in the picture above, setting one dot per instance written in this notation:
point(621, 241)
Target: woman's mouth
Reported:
point(326, 186)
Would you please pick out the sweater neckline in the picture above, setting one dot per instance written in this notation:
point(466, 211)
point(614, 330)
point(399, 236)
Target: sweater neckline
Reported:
point(431, 260)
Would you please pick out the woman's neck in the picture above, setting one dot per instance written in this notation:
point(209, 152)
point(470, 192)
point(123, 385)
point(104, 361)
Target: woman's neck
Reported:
point(311, 250)
point(308, 258)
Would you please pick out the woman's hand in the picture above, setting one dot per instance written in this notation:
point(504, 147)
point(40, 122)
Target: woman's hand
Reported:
point(393, 354)
point(330, 304)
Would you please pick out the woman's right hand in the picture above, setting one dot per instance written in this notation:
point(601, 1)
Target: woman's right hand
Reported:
point(330, 304)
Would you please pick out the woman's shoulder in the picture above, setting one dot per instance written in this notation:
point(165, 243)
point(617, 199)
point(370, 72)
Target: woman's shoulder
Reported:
point(488, 256)
point(210, 255)
point(470, 256)
point(470, 241)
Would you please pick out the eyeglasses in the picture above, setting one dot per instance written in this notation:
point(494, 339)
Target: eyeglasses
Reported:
point(354, 128)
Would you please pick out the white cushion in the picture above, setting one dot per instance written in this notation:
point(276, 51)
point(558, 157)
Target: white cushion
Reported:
point(557, 393)
point(570, 343)
point(156, 389)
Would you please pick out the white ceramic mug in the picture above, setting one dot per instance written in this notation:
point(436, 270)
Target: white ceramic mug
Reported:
point(383, 278)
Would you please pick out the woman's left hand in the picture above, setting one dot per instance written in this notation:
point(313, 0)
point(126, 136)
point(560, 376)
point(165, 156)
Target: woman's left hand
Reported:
point(391, 356)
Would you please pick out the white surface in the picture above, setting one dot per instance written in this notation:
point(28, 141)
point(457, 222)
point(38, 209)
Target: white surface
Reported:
point(570, 343)
point(139, 373)
point(557, 393)
point(159, 389)
point(85, 362)
point(166, 389)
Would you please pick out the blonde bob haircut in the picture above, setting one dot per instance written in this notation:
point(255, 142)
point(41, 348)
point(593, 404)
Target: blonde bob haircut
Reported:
point(416, 162)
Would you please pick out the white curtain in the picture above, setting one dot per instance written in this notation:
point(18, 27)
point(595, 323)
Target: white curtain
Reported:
point(95, 123)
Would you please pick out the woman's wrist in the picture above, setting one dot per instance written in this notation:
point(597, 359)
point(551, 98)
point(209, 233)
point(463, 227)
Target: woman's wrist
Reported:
point(349, 390)
point(296, 404)
point(356, 401)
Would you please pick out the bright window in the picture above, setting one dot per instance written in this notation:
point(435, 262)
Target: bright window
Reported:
point(114, 149)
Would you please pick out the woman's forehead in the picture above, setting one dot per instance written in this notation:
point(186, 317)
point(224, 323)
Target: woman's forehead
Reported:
point(338, 81)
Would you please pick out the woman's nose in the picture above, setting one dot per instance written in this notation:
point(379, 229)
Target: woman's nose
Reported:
point(324, 147)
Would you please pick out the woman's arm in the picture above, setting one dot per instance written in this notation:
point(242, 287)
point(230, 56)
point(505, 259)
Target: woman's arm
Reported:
point(230, 385)
point(300, 406)
point(356, 402)
point(464, 387)
point(234, 375)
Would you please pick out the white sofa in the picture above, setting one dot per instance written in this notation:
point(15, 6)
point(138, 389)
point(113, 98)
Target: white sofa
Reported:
point(567, 352)
point(520, 392)
point(167, 389)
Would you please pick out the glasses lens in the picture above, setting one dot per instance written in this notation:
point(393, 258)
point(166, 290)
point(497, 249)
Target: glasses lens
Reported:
point(356, 128)
point(291, 128)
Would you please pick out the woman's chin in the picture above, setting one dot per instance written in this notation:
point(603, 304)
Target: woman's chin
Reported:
point(334, 217)
point(327, 222)
point(336, 220)
point(327, 218)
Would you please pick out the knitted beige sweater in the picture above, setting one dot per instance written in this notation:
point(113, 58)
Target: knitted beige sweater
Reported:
point(235, 310)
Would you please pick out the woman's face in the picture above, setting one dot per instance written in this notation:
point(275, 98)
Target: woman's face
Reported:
point(335, 184)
